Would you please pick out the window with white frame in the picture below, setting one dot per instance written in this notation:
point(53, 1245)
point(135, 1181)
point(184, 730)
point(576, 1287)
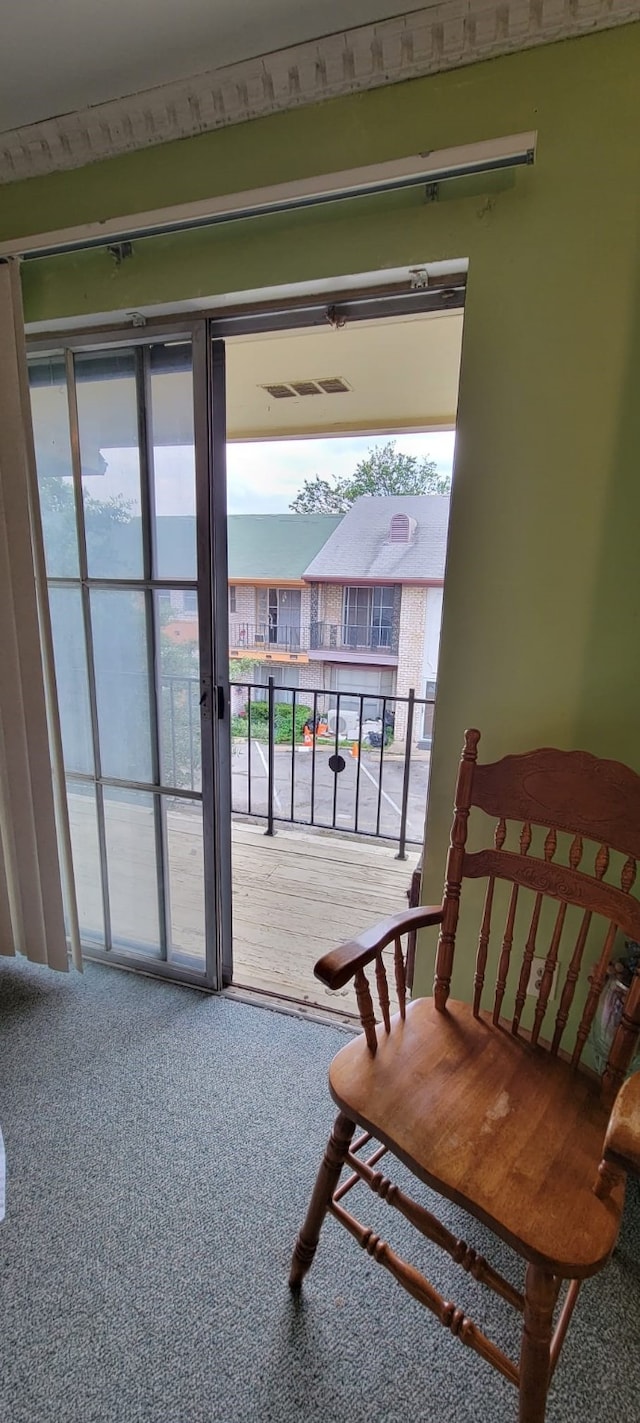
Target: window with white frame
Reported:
point(368, 617)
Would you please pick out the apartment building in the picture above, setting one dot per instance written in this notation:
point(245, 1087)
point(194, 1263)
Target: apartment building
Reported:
point(348, 604)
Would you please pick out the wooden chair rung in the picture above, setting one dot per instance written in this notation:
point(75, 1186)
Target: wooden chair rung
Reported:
point(357, 1176)
point(417, 1284)
point(563, 1322)
point(433, 1229)
point(361, 1141)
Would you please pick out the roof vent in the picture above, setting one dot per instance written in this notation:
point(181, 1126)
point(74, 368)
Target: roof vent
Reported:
point(401, 529)
point(326, 385)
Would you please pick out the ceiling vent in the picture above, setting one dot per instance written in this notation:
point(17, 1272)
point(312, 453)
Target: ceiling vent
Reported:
point(279, 392)
point(328, 385)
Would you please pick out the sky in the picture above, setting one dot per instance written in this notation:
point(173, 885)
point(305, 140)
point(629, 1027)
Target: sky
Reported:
point(263, 476)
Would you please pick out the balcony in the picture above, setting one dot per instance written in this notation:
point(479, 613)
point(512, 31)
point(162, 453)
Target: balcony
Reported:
point(265, 642)
point(346, 640)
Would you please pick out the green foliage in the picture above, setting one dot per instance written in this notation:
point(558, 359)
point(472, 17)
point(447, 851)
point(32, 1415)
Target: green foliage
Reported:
point(101, 517)
point(241, 669)
point(259, 712)
point(283, 722)
point(385, 470)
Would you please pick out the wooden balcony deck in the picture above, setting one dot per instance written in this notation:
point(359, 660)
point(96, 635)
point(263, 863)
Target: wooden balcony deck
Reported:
point(298, 895)
point(295, 896)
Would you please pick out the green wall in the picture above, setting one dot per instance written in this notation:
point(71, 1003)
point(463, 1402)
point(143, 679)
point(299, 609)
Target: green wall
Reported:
point(542, 605)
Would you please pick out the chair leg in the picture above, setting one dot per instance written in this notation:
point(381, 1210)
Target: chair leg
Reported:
point(535, 1355)
point(326, 1182)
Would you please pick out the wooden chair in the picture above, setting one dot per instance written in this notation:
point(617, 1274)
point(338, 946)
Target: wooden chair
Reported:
point(486, 1113)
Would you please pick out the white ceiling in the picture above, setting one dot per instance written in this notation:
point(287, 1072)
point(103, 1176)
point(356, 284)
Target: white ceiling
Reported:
point(402, 376)
point(61, 55)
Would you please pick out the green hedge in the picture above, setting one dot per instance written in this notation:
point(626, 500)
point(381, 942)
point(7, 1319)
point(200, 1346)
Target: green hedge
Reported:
point(282, 722)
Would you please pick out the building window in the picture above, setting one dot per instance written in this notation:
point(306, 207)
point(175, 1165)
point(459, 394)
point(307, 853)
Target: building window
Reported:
point(368, 617)
point(190, 602)
point(232, 600)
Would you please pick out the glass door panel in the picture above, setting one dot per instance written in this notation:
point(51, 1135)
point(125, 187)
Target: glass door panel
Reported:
point(128, 534)
point(107, 405)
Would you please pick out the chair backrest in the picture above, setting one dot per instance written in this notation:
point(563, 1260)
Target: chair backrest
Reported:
point(573, 794)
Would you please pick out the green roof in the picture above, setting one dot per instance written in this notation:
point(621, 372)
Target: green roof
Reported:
point(278, 546)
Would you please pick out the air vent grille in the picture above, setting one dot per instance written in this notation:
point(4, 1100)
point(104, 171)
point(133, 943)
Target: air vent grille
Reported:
point(326, 385)
point(279, 392)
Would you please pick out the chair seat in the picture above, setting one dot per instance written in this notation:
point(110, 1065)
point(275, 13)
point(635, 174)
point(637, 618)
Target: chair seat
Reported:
point(506, 1130)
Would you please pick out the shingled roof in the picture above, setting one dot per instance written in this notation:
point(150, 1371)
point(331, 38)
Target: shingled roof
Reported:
point(360, 548)
point(277, 546)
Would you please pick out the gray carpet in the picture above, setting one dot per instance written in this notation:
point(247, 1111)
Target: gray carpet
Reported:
point(160, 1149)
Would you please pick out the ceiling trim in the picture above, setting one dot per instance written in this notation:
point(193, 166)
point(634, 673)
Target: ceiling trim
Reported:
point(444, 35)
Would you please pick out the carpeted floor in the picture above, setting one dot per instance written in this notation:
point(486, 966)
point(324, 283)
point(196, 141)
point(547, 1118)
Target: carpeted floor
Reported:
point(160, 1149)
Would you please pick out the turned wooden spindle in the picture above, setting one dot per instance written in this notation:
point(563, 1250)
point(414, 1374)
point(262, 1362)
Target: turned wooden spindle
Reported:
point(383, 992)
point(400, 975)
point(595, 988)
point(455, 861)
point(548, 972)
point(575, 853)
point(525, 971)
point(365, 1009)
point(485, 927)
point(573, 973)
point(483, 948)
point(602, 862)
point(505, 956)
point(628, 876)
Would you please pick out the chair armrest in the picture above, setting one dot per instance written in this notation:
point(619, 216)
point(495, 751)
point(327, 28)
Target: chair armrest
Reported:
point(622, 1141)
point(337, 967)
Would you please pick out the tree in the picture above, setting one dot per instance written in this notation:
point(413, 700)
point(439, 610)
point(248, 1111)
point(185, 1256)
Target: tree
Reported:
point(103, 518)
point(385, 470)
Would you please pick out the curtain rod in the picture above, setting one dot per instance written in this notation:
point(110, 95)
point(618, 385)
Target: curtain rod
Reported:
point(396, 175)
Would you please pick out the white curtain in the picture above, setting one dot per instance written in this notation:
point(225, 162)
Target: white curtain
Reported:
point(34, 853)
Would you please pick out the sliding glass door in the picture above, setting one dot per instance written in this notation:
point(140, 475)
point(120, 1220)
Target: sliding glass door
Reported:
point(124, 451)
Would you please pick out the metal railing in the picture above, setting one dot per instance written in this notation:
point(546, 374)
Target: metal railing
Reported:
point(340, 761)
point(260, 637)
point(354, 636)
point(317, 637)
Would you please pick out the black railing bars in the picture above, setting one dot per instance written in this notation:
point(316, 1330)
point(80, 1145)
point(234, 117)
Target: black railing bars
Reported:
point(340, 761)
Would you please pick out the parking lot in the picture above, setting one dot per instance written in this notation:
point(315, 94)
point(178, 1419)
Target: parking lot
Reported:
point(364, 798)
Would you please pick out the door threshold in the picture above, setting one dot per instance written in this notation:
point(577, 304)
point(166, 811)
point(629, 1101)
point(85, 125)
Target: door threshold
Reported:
point(294, 1007)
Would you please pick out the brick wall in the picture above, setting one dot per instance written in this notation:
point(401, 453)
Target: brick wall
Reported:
point(312, 675)
point(245, 606)
point(331, 603)
point(410, 654)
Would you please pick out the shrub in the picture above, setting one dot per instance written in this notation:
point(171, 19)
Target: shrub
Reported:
point(259, 712)
point(283, 721)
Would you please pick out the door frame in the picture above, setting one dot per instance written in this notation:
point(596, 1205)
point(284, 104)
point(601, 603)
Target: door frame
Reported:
point(207, 330)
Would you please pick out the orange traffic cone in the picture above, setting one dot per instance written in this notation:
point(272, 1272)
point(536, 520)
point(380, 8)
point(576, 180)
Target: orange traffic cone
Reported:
point(308, 739)
point(354, 749)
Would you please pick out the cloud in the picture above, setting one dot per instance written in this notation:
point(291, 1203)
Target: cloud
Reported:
point(264, 476)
